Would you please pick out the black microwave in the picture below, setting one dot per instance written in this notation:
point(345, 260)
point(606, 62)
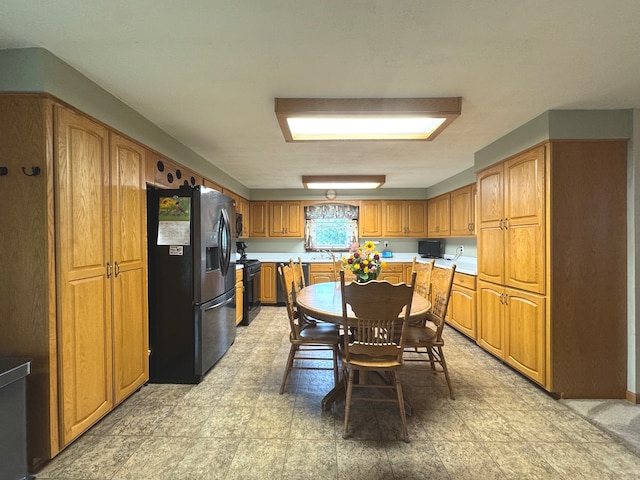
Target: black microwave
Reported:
point(430, 248)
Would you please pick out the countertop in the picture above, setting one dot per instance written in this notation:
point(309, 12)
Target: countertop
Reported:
point(466, 265)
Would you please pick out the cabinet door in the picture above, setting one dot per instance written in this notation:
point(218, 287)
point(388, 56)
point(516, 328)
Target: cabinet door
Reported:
point(239, 296)
point(491, 318)
point(461, 313)
point(268, 279)
point(129, 256)
point(81, 159)
point(489, 223)
point(258, 219)
point(415, 214)
point(524, 229)
point(243, 208)
point(525, 333)
point(285, 219)
point(463, 211)
point(393, 218)
point(370, 221)
point(440, 216)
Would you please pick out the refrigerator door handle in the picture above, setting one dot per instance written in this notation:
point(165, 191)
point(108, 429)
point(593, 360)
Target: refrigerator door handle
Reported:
point(218, 305)
point(225, 242)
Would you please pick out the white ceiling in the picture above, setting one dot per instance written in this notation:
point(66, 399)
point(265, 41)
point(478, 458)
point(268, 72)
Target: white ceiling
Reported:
point(207, 71)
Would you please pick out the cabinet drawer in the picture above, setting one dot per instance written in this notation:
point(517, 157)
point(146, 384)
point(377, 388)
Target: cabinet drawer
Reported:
point(464, 280)
point(395, 267)
point(320, 267)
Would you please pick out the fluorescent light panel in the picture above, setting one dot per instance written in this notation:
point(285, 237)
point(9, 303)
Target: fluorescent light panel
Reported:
point(363, 128)
point(318, 119)
point(342, 181)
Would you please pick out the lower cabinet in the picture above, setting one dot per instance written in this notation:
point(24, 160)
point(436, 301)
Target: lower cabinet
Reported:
point(320, 273)
point(239, 295)
point(268, 279)
point(392, 273)
point(461, 313)
point(512, 327)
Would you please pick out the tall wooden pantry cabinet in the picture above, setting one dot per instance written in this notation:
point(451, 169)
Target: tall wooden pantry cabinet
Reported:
point(552, 265)
point(74, 283)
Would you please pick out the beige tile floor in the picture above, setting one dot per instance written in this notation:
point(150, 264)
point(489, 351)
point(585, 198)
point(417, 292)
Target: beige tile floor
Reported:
point(235, 425)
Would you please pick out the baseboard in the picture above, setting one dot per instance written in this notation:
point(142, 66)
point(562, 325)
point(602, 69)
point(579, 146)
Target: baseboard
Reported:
point(633, 397)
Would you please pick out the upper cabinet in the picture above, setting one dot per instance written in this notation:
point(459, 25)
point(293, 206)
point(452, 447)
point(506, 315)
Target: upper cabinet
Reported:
point(463, 211)
point(242, 207)
point(258, 219)
point(404, 218)
point(511, 241)
point(370, 221)
point(164, 173)
point(286, 219)
point(453, 214)
point(440, 216)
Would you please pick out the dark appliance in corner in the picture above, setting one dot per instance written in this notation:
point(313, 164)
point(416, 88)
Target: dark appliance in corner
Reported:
point(251, 281)
point(192, 260)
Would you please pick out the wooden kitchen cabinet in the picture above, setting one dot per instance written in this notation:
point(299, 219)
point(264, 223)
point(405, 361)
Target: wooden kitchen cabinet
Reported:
point(461, 312)
point(286, 219)
point(370, 221)
point(258, 219)
point(392, 272)
point(404, 218)
point(268, 279)
point(239, 295)
point(463, 211)
point(439, 215)
point(74, 283)
point(511, 240)
point(538, 212)
point(165, 173)
point(320, 273)
point(242, 207)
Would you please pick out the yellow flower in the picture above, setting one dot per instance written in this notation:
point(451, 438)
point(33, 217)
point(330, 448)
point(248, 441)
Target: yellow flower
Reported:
point(369, 245)
point(365, 270)
point(356, 266)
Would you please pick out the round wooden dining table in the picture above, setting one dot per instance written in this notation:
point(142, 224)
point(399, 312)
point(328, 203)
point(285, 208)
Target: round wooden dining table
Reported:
point(323, 301)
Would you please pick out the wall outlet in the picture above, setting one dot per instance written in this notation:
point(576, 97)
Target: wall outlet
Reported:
point(461, 249)
point(386, 244)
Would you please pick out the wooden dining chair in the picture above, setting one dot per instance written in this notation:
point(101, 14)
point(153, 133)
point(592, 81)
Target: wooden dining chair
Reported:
point(426, 340)
point(373, 343)
point(306, 336)
point(338, 267)
point(423, 277)
point(298, 274)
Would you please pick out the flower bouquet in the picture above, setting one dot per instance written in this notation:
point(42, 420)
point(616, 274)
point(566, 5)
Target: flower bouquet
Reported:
point(364, 262)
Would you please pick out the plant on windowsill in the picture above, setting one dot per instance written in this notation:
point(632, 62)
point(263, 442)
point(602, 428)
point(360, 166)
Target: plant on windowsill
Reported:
point(364, 262)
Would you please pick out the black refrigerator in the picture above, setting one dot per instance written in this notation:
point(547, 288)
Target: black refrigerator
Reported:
point(192, 260)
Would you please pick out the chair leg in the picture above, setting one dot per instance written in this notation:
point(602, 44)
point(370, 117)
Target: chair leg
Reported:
point(335, 365)
point(403, 415)
point(446, 372)
point(292, 354)
point(431, 359)
point(347, 404)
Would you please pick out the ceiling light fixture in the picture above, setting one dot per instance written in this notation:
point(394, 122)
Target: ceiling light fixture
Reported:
point(342, 181)
point(316, 119)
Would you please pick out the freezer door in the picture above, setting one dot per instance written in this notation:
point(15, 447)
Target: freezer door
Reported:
point(215, 331)
point(214, 245)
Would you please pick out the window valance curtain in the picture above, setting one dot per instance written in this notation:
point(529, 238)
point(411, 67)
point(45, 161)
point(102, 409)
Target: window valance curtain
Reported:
point(331, 210)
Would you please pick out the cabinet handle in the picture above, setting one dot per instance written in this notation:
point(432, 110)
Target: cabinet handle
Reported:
point(109, 270)
point(116, 269)
point(506, 223)
point(506, 299)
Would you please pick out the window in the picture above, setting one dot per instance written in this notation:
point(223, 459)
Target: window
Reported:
point(330, 226)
